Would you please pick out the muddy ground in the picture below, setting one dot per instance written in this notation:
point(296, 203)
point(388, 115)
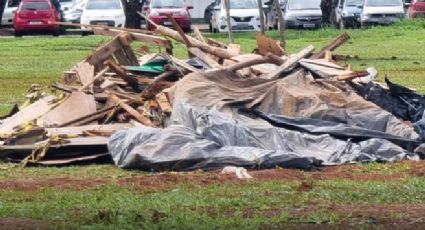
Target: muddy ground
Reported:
point(374, 214)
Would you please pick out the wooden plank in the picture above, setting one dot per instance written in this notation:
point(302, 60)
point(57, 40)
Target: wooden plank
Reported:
point(125, 40)
point(351, 76)
point(80, 130)
point(179, 30)
point(219, 52)
point(98, 76)
point(104, 52)
point(90, 118)
point(27, 114)
point(268, 45)
point(198, 34)
point(77, 105)
point(131, 81)
point(234, 48)
point(139, 117)
point(290, 63)
point(121, 57)
point(85, 72)
point(341, 39)
point(163, 103)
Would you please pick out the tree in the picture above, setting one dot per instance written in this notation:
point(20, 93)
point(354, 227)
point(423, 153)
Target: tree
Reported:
point(328, 11)
point(2, 6)
point(131, 9)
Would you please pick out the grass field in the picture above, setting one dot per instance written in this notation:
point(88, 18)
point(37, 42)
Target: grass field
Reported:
point(105, 197)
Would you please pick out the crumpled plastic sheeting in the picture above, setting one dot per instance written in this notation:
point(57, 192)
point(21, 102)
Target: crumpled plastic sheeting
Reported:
point(215, 141)
point(208, 131)
point(399, 100)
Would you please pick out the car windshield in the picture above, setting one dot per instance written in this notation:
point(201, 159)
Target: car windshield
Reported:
point(103, 5)
point(35, 6)
point(383, 3)
point(243, 4)
point(161, 4)
point(304, 5)
point(13, 3)
point(354, 3)
point(61, 1)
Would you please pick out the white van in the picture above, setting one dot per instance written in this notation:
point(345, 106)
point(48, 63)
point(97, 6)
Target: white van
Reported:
point(381, 12)
point(9, 10)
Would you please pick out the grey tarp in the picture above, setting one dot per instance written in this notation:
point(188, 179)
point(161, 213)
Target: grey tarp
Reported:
point(206, 129)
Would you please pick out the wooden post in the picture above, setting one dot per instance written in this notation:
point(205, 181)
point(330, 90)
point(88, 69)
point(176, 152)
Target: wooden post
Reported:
point(229, 24)
point(281, 24)
point(261, 11)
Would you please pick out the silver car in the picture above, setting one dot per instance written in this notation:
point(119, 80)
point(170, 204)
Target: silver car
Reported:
point(348, 13)
point(381, 12)
point(302, 13)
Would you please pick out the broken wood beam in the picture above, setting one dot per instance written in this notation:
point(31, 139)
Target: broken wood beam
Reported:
point(84, 120)
point(132, 82)
point(198, 34)
point(351, 76)
point(98, 75)
point(248, 63)
point(341, 39)
point(290, 63)
point(179, 30)
point(139, 117)
point(157, 85)
point(165, 31)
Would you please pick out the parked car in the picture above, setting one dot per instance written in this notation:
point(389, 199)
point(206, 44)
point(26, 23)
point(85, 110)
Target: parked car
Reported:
point(104, 12)
point(35, 15)
point(348, 13)
point(302, 14)
point(244, 16)
point(66, 4)
point(416, 9)
point(10, 8)
point(381, 12)
point(158, 10)
point(73, 14)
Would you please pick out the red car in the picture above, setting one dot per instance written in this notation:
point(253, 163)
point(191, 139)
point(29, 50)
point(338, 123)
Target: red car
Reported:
point(158, 10)
point(417, 9)
point(34, 16)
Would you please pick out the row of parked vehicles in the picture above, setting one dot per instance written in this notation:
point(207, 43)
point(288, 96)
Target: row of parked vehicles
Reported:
point(29, 15)
point(308, 14)
point(36, 15)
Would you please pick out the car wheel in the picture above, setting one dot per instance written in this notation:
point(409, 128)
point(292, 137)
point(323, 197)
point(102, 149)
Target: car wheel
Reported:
point(56, 33)
point(18, 34)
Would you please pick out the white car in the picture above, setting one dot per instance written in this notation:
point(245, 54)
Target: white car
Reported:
point(103, 12)
point(244, 15)
point(381, 12)
point(9, 10)
point(74, 12)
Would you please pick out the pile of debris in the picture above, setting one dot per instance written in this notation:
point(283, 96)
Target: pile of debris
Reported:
point(220, 107)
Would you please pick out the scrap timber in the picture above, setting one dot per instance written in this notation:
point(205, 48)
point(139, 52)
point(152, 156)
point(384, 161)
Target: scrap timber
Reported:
point(115, 88)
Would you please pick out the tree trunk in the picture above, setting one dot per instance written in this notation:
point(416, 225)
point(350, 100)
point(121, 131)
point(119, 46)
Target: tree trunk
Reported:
point(133, 20)
point(327, 9)
point(2, 6)
point(229, 24)
point(261, 12)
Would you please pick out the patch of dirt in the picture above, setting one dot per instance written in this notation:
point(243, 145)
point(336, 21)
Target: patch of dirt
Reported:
point(157, 181)
point(23, 224)
point(32, 185)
